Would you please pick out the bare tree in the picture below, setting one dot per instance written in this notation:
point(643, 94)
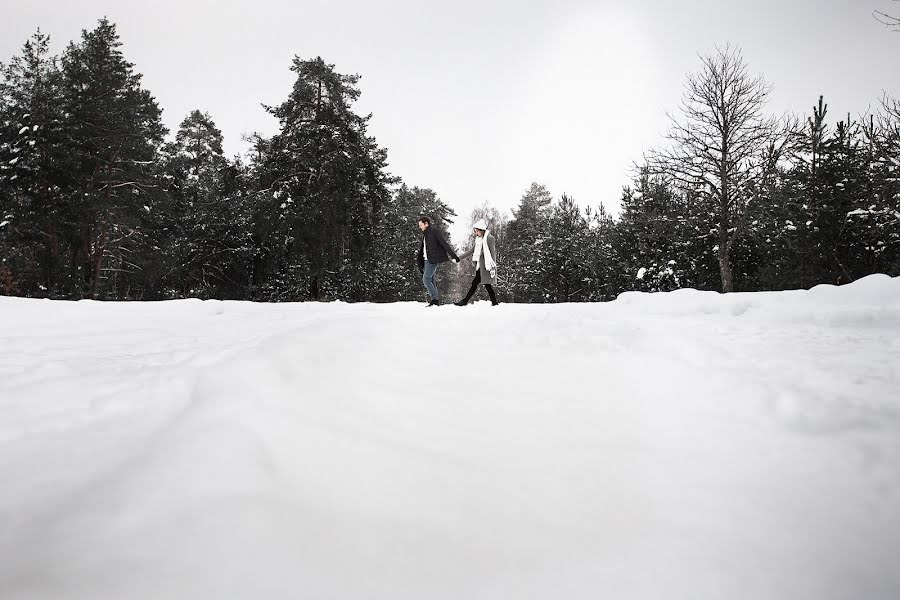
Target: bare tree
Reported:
point(890, 21)
point(722, 149)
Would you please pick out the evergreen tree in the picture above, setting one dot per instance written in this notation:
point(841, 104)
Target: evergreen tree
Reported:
point(832, 213)
point(806, 225)
point(525, 234)
point(876, 221)
point(114, 131)
point(323, 190)
point(32, 155)
point(209, 247)
point(563, 272)
point(606, 276)
point(652, 230)
point(853, 185)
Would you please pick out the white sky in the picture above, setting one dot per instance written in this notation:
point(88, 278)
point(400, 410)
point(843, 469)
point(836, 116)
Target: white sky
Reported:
point(478, 99)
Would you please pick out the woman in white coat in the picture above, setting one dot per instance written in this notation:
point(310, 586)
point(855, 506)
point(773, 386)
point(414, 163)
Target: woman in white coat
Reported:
point(483, 255)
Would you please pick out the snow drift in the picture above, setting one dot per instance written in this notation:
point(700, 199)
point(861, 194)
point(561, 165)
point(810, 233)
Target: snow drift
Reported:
point(681, 445)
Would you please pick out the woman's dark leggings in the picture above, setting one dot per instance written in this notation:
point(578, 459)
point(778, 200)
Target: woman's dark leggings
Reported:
point(474, 288)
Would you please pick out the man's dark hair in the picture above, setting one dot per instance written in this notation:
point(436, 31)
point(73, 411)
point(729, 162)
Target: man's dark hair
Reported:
point(424, 219)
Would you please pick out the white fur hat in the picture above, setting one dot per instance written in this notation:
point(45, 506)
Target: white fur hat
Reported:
point(480, 224)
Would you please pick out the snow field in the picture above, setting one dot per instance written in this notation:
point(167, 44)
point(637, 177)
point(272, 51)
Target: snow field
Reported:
point(682, 445)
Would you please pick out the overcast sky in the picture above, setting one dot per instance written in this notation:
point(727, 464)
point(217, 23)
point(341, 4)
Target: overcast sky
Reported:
point(478, 99)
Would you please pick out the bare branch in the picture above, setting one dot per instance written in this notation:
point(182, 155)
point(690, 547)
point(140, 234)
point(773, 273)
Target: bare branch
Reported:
point(887, 20)
point(721, 146)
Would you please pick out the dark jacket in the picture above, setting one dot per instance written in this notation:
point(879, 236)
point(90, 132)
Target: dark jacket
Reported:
point(438, 248)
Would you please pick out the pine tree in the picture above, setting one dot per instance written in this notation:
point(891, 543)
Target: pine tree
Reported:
point(525, 234)
point(323, 189)
point(209, 244)
point(832, 214)
point(606, 277)
point(664, 238)
point(31, 170)
point(114, 131)
point(563, 273)
point(876, 221)
point(852, 167)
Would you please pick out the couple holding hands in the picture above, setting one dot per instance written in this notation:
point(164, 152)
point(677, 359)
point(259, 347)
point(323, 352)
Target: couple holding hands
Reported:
point(435, 250)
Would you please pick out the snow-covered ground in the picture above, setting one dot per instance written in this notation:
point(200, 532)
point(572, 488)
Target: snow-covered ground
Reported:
point(675, 446)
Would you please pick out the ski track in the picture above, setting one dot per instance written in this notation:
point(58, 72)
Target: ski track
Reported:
point(687, 445)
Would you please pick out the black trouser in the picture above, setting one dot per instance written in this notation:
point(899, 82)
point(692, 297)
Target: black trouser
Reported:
point(474, 288)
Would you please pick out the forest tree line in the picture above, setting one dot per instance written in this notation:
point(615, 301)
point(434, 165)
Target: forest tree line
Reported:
point(98, 201)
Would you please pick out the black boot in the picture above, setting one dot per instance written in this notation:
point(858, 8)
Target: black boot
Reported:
point(492, 294)
point(468, 297)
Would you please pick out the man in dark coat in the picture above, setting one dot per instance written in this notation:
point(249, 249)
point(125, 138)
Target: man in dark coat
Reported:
point(433, 251)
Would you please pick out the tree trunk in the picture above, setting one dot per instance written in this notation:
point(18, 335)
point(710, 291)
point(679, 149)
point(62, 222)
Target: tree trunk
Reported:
point(314, 289)
point(51, 250)
point(87, 273)
point(99, 251)
point(724, 246)
point(725, 267)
